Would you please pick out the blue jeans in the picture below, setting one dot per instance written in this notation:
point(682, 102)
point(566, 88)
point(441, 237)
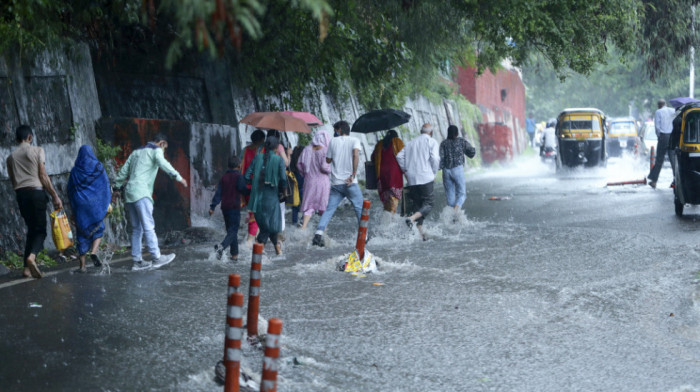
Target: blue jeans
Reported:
point(338, 193)
point(454, 182)
point(232, 219)
point(142, 224)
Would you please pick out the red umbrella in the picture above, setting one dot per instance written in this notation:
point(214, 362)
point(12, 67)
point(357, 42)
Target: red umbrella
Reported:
point(276, 120)
point(310, 119)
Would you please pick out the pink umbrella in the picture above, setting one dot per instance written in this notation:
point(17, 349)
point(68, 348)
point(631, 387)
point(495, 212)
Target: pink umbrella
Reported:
point(276, 120)
point(309, 118)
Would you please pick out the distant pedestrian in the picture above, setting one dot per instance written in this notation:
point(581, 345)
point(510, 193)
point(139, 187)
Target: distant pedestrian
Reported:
point(229, 193)
point(344, 155)
point(294, 160)
point(266, 175)
point(389, 174)
point(26, 167)
point(257, 138)
point(315, 170)
point(140, 171)
point(452, 152)
point(89, 194)
point(530, 127)
point(663, 123)
point(420, 160)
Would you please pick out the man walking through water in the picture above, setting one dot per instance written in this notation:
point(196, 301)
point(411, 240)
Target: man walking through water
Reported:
point(27, 171)
point(663, 123)
point(140, 170)
point(344, 155)
point(420, 160)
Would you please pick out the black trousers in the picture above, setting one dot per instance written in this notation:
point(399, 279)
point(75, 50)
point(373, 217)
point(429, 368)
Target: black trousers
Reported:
point(421, 198)
point(32, 206)
point(263, 236)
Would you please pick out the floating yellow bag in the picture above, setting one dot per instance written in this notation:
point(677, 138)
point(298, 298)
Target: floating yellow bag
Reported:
point(60, 230)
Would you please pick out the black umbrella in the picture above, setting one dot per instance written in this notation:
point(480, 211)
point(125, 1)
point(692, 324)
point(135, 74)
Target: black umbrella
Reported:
point(379, 120)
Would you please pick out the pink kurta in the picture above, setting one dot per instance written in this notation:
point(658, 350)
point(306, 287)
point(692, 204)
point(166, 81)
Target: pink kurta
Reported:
point(312, 165)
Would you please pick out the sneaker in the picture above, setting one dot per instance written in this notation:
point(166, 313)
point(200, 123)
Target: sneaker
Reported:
point(95, 260)
point(163, 260)
point(141, 265)
point(409, 223)
point(652, 184)
point(318, 240)
point(219, 251)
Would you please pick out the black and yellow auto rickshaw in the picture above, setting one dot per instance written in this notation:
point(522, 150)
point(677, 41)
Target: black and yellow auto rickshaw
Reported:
point(581, 137)
point(685, 156)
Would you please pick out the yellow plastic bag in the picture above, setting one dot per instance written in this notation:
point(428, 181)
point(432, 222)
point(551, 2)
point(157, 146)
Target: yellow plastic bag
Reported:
point(60, 230)
point(293, 187)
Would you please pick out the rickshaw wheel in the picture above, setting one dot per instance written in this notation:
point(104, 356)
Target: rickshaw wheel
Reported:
point(679, 206)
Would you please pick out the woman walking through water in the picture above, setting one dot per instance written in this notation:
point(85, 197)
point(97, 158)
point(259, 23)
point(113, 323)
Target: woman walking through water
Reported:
point(389, 174)
point(256, 138)
point(317, 186)
point(266, 175)
point(89, 194)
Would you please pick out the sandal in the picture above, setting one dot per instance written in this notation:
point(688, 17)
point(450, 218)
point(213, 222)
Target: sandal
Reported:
point(34, 269)
point(95, 260)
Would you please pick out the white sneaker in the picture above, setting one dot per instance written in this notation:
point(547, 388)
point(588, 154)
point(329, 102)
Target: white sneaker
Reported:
point(141, 266)
point(163, 260)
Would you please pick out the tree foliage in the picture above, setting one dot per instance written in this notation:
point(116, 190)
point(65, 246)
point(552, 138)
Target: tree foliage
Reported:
point(619, 88)
point(381, 51)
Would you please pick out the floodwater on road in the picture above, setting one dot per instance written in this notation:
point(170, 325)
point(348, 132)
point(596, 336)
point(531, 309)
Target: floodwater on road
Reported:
point(547, 282)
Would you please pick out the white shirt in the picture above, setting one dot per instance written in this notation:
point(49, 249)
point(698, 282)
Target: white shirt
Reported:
point(340, 150)
point(549, 137)
point(663, 120)
point(420, 160)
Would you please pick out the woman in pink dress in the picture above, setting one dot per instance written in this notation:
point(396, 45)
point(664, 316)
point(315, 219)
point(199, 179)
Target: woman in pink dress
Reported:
point(317, 186)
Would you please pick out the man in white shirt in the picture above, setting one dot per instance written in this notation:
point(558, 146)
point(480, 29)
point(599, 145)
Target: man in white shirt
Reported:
point(663, 122)
point(344, 155)
point(420, 161)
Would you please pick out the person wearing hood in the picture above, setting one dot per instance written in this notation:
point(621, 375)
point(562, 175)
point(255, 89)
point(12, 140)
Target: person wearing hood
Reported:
point(317, 186)
point(89, 195)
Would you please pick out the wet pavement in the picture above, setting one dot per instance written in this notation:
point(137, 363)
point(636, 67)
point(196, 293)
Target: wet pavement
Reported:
point(561, 284)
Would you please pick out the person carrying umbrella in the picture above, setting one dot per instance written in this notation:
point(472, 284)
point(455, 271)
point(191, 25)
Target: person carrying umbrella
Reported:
point(266, 174)
point(389, 174)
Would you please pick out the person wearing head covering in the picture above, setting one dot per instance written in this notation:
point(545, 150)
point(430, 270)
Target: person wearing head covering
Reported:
point(282, 153)
point(257, 138)
point(89, 195)
point(317, 186)
point(266, 175)
point(389, 174)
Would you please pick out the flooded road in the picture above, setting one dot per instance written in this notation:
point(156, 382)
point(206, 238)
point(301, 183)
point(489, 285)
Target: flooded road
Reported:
point(559, 284)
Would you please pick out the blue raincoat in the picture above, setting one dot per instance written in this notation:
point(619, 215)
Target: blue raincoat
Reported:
point(89, 193)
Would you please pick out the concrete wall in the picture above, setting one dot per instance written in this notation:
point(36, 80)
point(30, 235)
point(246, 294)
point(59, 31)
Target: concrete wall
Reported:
point(55, 94)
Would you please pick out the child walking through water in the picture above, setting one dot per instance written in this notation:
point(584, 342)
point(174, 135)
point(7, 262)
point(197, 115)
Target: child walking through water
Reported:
point(229, 191)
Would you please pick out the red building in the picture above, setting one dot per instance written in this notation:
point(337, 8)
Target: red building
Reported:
point(501, 98)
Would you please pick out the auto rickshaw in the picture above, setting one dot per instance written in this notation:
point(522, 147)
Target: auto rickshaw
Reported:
point(685, 156)
point(621, 136)
point(581, 137)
